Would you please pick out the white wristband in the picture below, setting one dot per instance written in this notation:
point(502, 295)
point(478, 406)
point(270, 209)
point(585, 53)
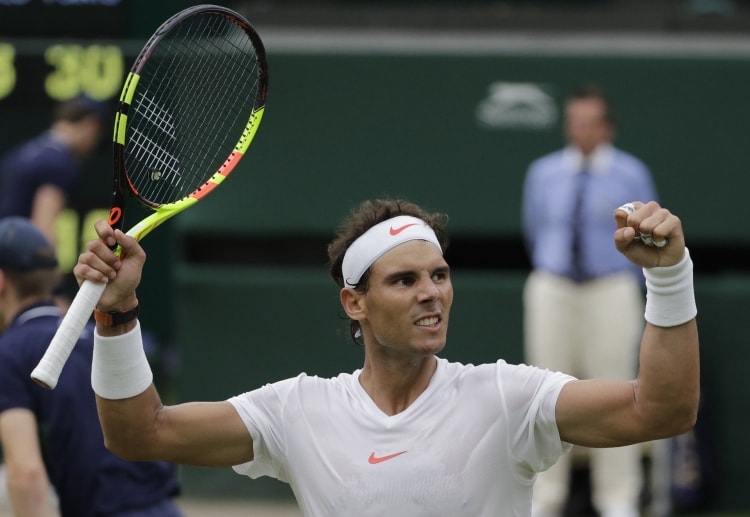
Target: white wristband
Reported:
point(670, 300)
point(120, 369)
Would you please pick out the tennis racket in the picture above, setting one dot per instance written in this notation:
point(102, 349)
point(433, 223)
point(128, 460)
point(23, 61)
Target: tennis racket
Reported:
point(188, 111)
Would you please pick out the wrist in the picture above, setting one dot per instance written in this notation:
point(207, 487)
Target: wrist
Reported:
point(119, 367)
point(116, 318)
point(115, 321)
point(670, 298)
point(123, 305)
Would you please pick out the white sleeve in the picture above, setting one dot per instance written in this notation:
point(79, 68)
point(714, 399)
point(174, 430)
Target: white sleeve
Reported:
point(262, 411)
point(530, 396)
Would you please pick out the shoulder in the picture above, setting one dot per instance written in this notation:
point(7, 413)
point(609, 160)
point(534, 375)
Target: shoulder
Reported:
point(15, 367)
point(521, 381)
point(547, 161)
point(543, 167)
point(16, 343)
point(26, 340)
point(301, 384)
point(496, 373)
point(518, 385)
point(629, 162)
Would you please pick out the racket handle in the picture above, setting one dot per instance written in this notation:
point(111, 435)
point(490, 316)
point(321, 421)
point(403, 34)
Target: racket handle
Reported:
point(48, 371)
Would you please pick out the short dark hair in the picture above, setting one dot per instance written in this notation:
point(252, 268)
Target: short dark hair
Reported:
point(367, 215)
point(80, 107)
point(37, 282)
point(364, 217)
point(587, 91)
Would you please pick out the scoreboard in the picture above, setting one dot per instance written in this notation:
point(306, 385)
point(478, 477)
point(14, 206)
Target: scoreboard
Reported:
point(52, 50)
point(35, 73)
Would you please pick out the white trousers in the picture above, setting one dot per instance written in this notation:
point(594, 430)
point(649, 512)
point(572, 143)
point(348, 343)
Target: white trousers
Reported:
point(588, 330)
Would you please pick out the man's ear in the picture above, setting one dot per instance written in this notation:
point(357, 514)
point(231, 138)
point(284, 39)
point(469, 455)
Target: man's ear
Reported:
point(353, 303)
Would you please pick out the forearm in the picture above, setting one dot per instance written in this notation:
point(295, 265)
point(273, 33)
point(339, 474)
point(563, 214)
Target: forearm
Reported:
point(207, 434)
point(668, 385)
point(129, 424)
point(663, 400)
point(138, 427)
point(127, 401)
point(30, 494)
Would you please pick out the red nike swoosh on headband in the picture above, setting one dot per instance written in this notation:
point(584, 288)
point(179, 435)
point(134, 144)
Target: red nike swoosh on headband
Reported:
point(374, 460)
point(396, 231)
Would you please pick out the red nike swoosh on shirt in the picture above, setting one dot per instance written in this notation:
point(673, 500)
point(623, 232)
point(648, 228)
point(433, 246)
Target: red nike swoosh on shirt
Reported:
point(396, 231)
point(374, 460)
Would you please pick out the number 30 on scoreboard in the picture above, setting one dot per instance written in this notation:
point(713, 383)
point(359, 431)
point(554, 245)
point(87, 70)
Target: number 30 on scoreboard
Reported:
point(95, 70)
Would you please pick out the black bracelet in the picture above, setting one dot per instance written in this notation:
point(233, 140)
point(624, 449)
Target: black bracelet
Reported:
point(112, 319)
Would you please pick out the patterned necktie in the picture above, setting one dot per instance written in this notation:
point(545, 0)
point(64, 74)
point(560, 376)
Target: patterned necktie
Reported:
point(578, 270)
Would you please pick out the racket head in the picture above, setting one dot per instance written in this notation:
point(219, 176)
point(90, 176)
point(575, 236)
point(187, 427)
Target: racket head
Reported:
point(188, 111)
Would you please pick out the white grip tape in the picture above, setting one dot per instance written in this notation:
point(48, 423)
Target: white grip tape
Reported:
point(120, 369)
point(670, 298)
point(48, 371)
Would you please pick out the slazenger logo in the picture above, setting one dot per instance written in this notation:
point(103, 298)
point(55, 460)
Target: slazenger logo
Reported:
point(517, 106)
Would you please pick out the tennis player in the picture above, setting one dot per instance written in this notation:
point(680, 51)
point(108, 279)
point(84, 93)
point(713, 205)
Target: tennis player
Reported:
point(409, 434)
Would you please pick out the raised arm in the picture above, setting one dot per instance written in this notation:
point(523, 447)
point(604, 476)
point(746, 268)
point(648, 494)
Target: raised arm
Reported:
point(136, 425)
point(663, 400)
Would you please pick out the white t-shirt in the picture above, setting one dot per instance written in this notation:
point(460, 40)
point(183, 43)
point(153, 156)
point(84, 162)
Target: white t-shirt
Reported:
point(470, 445)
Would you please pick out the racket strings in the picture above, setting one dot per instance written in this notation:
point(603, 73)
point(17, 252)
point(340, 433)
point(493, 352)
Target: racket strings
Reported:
point(192, 106)
point(156, 152)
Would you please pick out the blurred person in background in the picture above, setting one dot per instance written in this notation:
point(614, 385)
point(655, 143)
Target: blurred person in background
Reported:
point(38, 177)
point(583, 301)
point(53, 436)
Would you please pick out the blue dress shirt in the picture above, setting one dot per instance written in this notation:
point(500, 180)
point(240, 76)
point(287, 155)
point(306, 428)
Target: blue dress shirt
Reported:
point(549, 196)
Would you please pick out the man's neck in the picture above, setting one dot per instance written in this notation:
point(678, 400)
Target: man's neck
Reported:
point(394, 385)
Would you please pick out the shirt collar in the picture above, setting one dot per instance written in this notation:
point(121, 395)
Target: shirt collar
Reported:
point(599, 162)
point(36, 310)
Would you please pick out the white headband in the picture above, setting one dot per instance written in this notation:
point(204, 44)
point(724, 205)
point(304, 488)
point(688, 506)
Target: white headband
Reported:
point(379, 239)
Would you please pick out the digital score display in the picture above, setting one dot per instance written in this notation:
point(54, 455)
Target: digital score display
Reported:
point(34, 75)
point(39, 73)
point(52, 50)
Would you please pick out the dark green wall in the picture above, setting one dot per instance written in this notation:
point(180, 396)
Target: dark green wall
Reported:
point(341, 128)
